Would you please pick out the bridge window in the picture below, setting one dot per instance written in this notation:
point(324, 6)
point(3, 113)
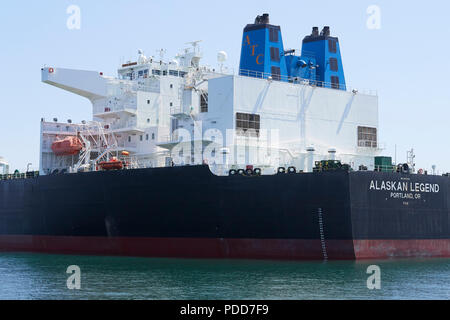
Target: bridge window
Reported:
point(332, 46)
point(143, 73)
point(276, 73)
point(334, 82)
point(204, 102)
point(273, 35)
point(367, 137)
point(274, 54)
point(248, 124)
point(334, 64)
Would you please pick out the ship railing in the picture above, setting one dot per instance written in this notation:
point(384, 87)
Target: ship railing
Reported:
point(173, 138)
point(179, 110)
point(134, 162)
point(131, 123)
point(60, 129)
point(176, 110)
point(110, 109)
point(385, 168)
point(20, 176)
point(126, 146)
point(118, 87)
point(302, 81)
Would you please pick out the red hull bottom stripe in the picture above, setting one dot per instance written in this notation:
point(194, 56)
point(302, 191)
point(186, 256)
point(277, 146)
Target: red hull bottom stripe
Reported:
point(277, 249)
point(373, 249)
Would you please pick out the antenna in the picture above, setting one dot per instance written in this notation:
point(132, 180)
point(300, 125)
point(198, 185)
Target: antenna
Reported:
point(411, 160)
point(396, 154)
point(162, 53)
point(222, 56)
point(194, 44)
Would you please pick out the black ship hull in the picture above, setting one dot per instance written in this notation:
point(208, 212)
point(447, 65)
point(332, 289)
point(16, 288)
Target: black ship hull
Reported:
point(188, 212)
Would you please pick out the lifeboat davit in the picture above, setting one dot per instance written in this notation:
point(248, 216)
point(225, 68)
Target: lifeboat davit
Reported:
point(113, 164)
point(68, 146)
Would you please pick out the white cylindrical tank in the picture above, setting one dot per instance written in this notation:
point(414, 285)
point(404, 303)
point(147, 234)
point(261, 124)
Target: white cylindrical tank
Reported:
point(310, 159)
point(332, 154)
point(4, 166)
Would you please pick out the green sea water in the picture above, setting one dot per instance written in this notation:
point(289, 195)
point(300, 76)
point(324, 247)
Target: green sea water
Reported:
point(34, 276)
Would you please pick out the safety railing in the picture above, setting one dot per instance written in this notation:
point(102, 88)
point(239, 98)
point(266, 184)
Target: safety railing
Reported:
point(20, 176)
point(116, 108)
point(126, 145)
point(131, 123)
point(60, 129)
point(301, 81)
point(173, 138)
point(385, 168)
point(118, 87)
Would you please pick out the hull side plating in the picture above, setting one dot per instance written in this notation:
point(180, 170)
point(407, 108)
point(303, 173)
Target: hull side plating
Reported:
point(188, 212)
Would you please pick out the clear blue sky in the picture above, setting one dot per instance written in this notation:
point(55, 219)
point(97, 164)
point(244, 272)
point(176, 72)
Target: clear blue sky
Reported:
point(406, 60)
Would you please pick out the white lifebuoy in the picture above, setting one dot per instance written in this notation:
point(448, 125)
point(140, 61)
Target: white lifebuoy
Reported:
point(51, 70)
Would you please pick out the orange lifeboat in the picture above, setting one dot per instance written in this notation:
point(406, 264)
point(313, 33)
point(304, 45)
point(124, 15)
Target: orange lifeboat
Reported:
point(68, 146)
point(113, 164)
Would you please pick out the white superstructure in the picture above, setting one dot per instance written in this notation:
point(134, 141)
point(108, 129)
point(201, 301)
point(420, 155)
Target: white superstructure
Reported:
point(4, 166)
point(182, 113)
